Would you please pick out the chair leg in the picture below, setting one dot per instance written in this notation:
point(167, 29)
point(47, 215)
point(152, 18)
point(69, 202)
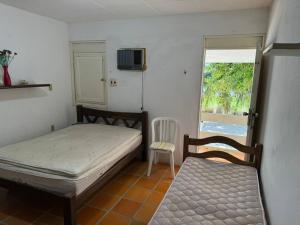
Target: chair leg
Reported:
point(172, 164)
point(150, 162)
point(156, 157)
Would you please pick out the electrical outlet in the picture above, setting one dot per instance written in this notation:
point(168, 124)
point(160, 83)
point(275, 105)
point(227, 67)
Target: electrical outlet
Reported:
point(52, 127)
point(113, 83)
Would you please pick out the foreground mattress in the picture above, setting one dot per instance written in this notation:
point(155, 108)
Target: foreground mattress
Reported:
point(68, 160)
point(206, 192)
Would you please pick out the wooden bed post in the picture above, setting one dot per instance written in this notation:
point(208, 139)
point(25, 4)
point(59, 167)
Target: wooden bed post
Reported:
point(79, 113)
point(69, 210)
point(257, 160)
point(185, 146)
point(145, 135)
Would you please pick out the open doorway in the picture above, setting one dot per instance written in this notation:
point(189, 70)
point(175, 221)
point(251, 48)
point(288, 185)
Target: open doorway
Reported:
point(229, 86)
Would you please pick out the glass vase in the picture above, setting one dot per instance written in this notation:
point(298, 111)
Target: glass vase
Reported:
point(6, 77)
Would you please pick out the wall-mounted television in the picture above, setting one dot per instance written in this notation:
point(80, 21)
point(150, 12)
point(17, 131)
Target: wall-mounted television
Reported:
point(131, 59)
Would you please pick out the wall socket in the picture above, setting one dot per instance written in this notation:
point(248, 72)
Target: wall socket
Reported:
point(52, 127)
point(113, 83)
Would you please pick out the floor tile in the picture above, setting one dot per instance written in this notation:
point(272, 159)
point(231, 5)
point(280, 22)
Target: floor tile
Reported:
point(8, 206)
point(104, 201)
point(89, 216)
point(135, 222)
point(113, 218)
point(130, 198)
point(115, 188)
point(140, 165)
point(163, 186)
point(147, 182)
point(168, 174)
point(136, 172)
point(137, 193)
point(159, 170)
point(161, 166)
point(126, 179)
point(137, 169)
point(3, 215)
point(145, 213)
point(155, 198)
point(23, 216)
point(168, 179)
point(48, 219)
point(15, 221)
point(127, 207)
point(156, 173)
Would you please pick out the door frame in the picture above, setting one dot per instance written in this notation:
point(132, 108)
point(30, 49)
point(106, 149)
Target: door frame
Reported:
point(100, 50)
point(263, 36)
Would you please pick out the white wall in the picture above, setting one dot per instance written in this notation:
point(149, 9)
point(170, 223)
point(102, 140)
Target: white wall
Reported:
point(281, 119)
point(42, 45)
point(174, 44)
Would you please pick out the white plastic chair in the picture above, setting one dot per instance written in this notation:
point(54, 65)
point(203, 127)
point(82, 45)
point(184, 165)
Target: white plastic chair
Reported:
point(164, 131)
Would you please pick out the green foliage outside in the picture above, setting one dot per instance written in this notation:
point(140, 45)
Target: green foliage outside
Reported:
point(227, 87)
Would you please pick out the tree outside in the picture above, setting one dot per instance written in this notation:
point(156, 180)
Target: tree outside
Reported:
point(227, 87)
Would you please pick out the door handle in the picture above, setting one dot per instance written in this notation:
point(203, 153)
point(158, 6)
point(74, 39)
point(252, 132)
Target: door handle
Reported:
point(102, 80)
point(251, 117)
point(254, 115)
point(245, 114)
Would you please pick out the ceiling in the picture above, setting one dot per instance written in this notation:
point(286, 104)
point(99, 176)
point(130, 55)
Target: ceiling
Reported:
point(97, 10)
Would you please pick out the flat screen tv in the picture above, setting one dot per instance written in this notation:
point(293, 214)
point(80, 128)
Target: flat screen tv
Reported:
point(131, 59)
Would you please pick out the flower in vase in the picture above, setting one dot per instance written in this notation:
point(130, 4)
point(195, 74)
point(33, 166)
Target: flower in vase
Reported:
point(6, 57)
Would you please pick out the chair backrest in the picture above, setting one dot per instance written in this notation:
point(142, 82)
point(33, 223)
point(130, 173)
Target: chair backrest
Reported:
point(164, 129)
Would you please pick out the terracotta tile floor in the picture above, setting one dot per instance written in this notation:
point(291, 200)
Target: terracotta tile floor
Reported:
point(130, 198)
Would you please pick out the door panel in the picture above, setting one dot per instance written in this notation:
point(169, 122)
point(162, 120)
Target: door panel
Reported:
point(252, 115)
point(89, 78)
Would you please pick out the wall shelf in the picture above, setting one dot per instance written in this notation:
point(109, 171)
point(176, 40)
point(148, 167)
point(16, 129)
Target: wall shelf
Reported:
point(283, 49)
point(27, 86)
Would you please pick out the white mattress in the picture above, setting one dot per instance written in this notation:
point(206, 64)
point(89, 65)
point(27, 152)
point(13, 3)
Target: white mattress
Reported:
point(206, 192)
point(69, 152)
point(63, 183)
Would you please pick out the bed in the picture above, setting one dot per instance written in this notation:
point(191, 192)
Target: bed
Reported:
point(72, 163)
point(208, 192)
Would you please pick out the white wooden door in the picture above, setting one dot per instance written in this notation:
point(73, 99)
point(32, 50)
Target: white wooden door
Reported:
point(89, 77)
point(252, 114)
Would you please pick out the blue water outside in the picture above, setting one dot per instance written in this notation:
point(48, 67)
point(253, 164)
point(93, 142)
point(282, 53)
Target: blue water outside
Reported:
point(223, 128)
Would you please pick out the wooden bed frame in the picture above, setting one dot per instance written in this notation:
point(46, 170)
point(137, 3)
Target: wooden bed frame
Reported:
point(71, 202)
point(254, 152)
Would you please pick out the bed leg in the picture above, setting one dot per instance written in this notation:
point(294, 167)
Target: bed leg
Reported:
point(145, 136)
point(69, 211)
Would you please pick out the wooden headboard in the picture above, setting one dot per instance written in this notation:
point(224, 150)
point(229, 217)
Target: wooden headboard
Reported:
point(130, 120)
point(254, 152)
